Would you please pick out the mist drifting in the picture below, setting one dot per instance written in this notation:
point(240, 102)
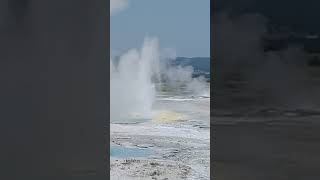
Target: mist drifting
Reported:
point(137, 76)
point(131, 88)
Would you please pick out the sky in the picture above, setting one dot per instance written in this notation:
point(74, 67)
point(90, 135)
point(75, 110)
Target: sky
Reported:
point(180, 25)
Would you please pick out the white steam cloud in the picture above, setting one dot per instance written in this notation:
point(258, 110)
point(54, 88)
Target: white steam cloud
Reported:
point(138, 75)
point(132, 89)
point(117, 6)
point(180, 79)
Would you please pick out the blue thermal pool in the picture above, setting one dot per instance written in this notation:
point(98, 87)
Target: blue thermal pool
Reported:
point(127, 152)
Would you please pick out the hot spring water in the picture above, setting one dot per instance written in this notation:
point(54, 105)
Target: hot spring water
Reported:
point(124, 152)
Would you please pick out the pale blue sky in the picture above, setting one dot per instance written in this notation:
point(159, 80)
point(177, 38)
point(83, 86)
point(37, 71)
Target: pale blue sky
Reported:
point(183, 25)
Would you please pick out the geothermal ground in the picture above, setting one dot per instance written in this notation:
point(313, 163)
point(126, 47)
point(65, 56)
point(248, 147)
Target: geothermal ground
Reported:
point(175, 144)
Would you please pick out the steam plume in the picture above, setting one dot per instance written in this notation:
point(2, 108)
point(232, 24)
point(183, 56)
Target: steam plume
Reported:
point(118, 5)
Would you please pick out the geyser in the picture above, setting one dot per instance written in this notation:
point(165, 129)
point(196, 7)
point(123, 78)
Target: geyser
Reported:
point(137, 75)
point(131, 86)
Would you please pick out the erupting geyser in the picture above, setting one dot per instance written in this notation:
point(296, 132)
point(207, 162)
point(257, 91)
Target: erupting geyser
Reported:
point(133, 82)
point(132, 91)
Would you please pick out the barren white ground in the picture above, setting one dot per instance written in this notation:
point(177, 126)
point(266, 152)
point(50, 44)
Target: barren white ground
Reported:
point(178, 138)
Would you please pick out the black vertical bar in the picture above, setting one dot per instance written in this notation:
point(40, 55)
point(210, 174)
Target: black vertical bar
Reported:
point(54, 89)
point(212, 86)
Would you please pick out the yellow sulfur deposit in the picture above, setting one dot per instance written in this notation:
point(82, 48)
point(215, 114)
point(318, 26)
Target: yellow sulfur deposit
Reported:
point(167, 116)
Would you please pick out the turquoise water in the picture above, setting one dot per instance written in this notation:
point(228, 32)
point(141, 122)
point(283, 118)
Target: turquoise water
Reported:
point(120, 151)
